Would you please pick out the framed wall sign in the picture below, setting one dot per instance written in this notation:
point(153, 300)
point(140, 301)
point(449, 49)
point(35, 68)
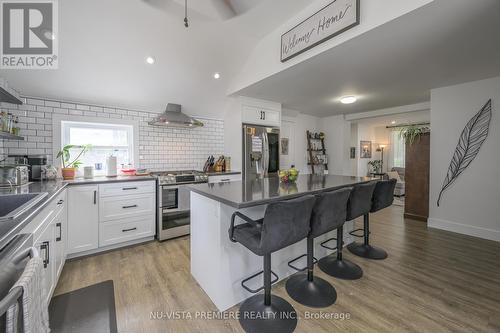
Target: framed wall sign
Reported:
point(328, 22)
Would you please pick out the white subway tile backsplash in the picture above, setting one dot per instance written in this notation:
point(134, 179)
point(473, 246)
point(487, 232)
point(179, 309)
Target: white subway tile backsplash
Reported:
point(160, 148)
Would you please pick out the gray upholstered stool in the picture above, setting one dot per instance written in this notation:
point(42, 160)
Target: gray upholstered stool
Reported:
point(383, 196)
point(334, 264)
point(329, 213)
point(284, 224)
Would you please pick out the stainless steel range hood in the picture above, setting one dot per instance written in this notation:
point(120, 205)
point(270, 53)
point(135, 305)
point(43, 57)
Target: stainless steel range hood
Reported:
point(173, 117)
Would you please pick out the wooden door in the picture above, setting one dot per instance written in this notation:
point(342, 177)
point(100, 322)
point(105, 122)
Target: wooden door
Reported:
point(417, 165)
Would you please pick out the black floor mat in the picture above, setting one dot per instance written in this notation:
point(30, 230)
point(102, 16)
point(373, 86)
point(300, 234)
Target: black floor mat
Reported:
point(90, 309)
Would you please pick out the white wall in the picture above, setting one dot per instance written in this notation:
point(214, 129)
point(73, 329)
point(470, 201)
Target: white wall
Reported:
point(471, 205)
point(265, 61)
point(300, 123)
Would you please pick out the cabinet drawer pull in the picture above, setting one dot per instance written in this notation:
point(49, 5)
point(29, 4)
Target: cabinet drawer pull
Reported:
point(60, 202)
point(127, 230)
point(45, 246)
point(131, 206)
point(95, 197)
point(129, 188)
point(58, 238)
point(225, 180)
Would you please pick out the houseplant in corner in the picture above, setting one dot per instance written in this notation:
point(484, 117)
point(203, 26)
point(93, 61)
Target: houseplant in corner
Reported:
point(411, 133)
point(69, 168)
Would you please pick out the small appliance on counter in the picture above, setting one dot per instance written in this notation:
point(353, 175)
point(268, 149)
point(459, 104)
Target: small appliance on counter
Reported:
point(13, 175)
point(36, 166)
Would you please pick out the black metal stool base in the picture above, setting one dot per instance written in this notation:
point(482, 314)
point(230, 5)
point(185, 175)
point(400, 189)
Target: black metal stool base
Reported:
point(257, 317)
point(316, 293)
point(342, 269)
point(366, 251)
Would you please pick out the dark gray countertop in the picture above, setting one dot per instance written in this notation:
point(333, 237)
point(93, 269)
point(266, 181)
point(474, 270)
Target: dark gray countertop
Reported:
point(10, 228)
point(222, 173)
point(242, 194)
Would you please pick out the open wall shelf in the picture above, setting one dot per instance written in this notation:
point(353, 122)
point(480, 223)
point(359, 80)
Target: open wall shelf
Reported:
point(8, 136)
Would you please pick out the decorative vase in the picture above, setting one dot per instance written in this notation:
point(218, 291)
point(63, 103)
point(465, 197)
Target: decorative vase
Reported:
point(68, 173)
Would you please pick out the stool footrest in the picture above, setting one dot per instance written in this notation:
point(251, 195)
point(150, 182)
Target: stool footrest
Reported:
point(299, 257)
point(322, 244)
point(353, 233)
point(254, 291)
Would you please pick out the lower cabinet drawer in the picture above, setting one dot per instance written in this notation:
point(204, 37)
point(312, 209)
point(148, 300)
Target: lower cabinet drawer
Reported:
point(119, 207)
point(124, 230)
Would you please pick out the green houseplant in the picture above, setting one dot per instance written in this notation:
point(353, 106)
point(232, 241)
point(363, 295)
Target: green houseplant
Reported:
point(376, 166)
point(69, 167)
point(412, 133)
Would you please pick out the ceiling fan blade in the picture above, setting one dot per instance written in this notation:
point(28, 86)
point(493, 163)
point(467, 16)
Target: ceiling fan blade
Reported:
point(224, 8)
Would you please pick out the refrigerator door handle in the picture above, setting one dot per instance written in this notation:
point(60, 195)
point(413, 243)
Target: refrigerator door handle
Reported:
point(266, 154)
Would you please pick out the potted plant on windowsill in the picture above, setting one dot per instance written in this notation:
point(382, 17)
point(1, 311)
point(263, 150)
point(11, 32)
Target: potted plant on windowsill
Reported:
point(69, 168)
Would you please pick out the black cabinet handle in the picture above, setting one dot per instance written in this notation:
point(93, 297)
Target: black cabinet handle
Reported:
point(95, 197)
point(45, 246)
point(264, 113)
point(127, 230)
point(225, 180)
point(131, 206)
point(60, 202)
point(129, 188)
point(58, 238)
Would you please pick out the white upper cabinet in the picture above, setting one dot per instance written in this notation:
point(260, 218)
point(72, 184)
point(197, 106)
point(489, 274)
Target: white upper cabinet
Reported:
point(260, 112)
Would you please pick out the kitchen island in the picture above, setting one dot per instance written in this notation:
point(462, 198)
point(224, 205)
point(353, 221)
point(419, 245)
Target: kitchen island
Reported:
point(218, 264)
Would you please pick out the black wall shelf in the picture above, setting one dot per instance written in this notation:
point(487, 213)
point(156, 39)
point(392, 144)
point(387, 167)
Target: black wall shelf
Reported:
point(7, 97)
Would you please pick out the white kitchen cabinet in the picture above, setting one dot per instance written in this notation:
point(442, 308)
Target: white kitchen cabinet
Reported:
point(224, 178)
point(127, 188)
point(60, 236)
point(118, 207)
point(83, 218)
point(45, 245)
point(258, 115)
point(123, 230)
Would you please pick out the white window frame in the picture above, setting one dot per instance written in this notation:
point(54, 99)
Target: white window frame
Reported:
point(57, 132)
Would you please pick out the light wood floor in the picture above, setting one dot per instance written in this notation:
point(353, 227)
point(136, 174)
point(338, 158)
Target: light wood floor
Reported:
point(433, 281)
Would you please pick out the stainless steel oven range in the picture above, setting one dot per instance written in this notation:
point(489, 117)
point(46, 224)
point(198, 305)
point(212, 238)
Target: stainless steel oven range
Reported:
point(174, 200)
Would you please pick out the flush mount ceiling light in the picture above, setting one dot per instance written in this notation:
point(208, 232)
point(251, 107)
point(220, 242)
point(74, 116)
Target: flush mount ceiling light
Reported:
point(150, 60)
point(216, 76)
point(348, 99)
point(393, 122)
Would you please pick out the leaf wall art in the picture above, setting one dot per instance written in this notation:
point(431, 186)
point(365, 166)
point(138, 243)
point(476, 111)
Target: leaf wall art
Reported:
point(469, 144)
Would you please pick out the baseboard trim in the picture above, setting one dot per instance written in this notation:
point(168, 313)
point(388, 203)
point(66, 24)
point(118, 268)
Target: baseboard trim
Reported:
point(464, 229)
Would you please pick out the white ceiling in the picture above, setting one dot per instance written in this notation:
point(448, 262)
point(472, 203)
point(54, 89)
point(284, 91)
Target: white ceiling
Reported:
point(444, 43)
point(103, 46)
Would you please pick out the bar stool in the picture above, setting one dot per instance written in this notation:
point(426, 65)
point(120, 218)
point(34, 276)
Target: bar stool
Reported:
point(335, 265)
point(382, 197)
point(284, 223)
point(328, 213)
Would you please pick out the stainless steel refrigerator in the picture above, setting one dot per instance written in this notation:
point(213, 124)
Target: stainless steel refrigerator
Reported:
point(261, 154)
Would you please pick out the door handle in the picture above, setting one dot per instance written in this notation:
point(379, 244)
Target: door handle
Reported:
point(127, 230)
point(95, 197)
point(131, 206)
point(58, 225)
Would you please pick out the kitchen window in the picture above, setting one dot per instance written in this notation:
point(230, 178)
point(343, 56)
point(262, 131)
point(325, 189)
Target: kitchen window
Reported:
point(106, 139)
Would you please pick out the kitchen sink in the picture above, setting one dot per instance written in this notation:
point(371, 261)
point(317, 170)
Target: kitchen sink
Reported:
point(13, 205)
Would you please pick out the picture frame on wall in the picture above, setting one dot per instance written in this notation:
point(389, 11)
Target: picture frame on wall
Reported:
point(365, 149)
point(352, 153)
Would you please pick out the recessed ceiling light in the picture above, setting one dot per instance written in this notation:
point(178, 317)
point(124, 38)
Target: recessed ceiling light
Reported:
point(216, 76)
point(150, 60)
point(393, 122)
point(348, 99)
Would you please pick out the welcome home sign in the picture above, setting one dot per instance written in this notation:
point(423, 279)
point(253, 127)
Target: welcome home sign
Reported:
point(328, 22)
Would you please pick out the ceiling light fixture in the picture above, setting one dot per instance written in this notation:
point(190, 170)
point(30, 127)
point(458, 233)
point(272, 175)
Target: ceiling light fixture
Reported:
point(393, 122)
point(216, 76)
point(348, 99)
point(150, 60)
